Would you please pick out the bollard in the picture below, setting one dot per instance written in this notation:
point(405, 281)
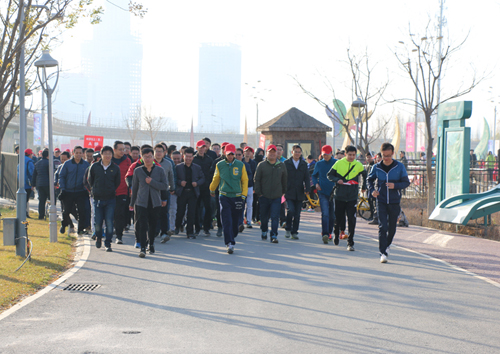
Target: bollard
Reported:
point(9, 231)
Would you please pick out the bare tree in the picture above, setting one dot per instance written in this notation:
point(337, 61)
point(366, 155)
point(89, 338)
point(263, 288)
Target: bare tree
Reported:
point(362, 87)
point(133, 124)
point(36, 33)
point(153, 125)
point(424, 69)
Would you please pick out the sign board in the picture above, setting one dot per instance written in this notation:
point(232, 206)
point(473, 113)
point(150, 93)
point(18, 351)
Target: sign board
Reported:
point(37, 129)
point(262, 141)
point(91, 141)
point(65, 147)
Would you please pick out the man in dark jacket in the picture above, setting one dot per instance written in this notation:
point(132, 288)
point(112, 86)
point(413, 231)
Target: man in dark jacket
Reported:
point(104, 179)
point(270, 184)
point(202, 159)
point(122, 193)
point(250, 166)
point(345, 173)
point(73, 191)
point(40, 180)
point(298, 183)
point(391, 177)
point(189, 178)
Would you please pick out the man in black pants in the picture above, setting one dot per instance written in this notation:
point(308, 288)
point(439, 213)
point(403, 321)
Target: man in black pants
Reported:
point(391, 178)
point(297, 186)
point(345, 173)
point(189, 178)
point(202, 159)
point(40, 180)
point(149, 188)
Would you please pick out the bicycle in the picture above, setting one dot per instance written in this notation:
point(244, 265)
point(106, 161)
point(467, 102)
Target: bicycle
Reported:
point(363, 207)
point(311, 203)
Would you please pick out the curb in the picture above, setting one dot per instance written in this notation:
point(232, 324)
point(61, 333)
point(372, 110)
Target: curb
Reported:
point(65, 276)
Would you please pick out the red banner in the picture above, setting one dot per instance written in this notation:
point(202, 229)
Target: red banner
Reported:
point(262, 141)
point(91, 141)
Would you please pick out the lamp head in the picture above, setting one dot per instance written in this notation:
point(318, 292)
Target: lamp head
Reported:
point(358, 103)
point(46, 60)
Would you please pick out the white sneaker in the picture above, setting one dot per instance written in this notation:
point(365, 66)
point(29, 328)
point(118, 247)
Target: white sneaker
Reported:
point(388, 249)
point(230, 249)
point(383, 258)
point(164, 238)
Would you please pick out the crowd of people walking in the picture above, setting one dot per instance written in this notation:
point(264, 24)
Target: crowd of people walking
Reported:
point(164, 191)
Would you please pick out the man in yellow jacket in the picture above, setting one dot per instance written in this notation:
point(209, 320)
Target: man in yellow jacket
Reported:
point(232, 180)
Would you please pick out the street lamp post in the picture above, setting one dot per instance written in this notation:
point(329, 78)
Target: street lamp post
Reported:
point(358, 103)
point(46, 61)
point(21, 192)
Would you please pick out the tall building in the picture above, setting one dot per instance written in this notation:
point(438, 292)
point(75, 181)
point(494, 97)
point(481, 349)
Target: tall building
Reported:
point(219, 89)
point(111, 64)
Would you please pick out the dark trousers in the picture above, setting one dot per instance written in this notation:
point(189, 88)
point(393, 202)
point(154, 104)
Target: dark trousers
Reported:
point(282, 212)
point(70, 200)
point(104, 210)
point(88, 212)
point(327, 214)
point(341, 210)
point(162, 224)
point(203, 201)
point(270, 208)
point(147, 219)
point(186, 199)
point(371, 202)
point(122, 215)
point(43, 195)
point(293, 215)
point(387, 220)
point(256, 209)
point(230, 218)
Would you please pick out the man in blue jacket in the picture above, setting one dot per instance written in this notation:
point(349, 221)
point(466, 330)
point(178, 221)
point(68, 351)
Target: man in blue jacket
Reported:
point(391, 177)
point(324, 187)
point(73, 191)
point(40, 180)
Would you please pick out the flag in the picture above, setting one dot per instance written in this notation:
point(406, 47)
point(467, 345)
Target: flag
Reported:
point(191, 140)
point(89, 118)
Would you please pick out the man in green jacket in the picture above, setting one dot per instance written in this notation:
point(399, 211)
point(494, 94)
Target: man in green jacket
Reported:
point(232, 179)
point(490, 165)
point(270, 186)
point(345, 173)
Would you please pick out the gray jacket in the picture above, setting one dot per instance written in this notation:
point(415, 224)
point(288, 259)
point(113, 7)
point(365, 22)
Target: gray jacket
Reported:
point(142, 190)
point(169, 171)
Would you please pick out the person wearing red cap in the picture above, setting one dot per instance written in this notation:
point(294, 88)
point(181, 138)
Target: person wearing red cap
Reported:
point(29, 167)
point(204, 200)
point(298, 184)
point(324, 188)
point(212, 172)
point(97, 148)
point(270, 184)
point(231, 180)
point(57, 154)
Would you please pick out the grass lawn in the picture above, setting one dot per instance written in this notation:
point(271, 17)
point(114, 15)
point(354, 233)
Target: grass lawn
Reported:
point(48, 260)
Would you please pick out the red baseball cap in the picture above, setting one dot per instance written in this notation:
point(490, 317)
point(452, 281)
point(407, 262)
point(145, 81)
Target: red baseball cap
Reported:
point(98, 148)
point(28, 152)
point(248, 148)
point(223, 145)
point(201, 143)
point(40, 151)
point(230, 149)
point(271, 147)
point(68, 150)
point(57, 150)
point(326, 149)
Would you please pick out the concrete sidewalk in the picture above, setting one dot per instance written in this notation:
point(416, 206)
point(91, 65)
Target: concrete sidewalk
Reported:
point(294, 297)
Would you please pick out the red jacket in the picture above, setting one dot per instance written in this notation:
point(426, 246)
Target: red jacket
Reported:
point(124, 164)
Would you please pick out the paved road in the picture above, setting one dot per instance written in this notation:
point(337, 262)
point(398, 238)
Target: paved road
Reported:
point(293, 297)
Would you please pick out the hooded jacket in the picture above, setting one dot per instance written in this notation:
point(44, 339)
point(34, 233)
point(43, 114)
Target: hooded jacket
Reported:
point(396, 175)
point(349, 173)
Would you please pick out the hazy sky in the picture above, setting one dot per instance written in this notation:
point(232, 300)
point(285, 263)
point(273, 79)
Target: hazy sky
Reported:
point(280, 39)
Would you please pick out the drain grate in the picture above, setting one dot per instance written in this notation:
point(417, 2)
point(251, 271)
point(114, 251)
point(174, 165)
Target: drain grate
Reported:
point(82, 287)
